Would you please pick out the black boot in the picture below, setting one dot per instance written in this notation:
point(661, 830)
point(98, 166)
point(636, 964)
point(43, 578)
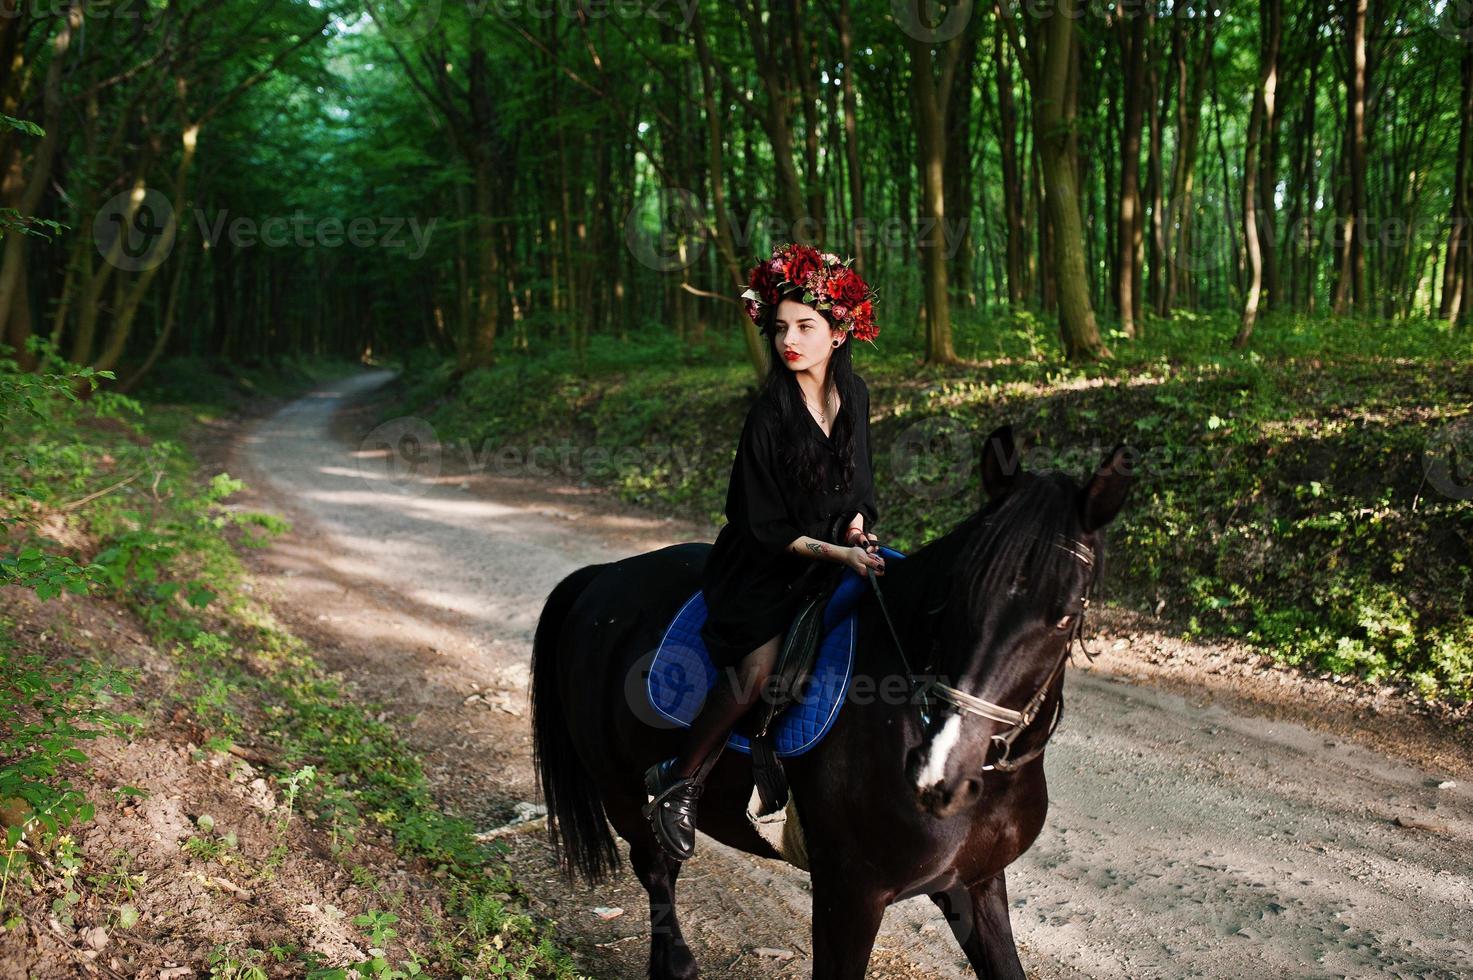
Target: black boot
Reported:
point(672, 812)
point(676, 783)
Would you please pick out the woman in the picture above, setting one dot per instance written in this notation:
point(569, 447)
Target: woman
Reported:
point(802, 479)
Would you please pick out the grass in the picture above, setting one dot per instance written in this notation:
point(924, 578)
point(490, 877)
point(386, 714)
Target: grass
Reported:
point(1289, 494)
point(157, 543)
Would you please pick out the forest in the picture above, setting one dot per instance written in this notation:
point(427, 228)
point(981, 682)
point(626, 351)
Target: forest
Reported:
point(248, 180)
point(335, 334)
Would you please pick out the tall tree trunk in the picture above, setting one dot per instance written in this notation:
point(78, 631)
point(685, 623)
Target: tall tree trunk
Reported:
point(1270, 17)
point(932, 96)
point(959, 177)
point(127, 309)
point(1191, 81)
point(776, 87)
point(1051, 61)
point(1131, 34)
point(182, 258)
point(1350, 284)
point(1045, 270)
point(807, 69)
point(1303, 208)
point(1156, 182)
point(1012, 177)
point(1458, 259)
point(12, 290)
point(857, 212)
point(725, 242)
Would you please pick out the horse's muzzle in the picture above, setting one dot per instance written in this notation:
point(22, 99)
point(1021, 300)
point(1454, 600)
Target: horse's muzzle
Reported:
point(939, 794)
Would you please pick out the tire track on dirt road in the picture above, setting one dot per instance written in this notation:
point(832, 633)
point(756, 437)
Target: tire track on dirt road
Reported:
point(1182, 840)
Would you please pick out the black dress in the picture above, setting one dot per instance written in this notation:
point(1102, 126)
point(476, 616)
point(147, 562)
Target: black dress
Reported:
point(753, 588)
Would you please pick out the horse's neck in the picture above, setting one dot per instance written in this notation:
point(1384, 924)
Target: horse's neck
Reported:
point(910, 588)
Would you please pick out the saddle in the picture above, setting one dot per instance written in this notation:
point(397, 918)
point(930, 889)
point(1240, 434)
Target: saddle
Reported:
point(807, 688)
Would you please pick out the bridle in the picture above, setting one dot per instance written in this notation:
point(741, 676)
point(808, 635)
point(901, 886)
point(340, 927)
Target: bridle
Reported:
point(1018, 721)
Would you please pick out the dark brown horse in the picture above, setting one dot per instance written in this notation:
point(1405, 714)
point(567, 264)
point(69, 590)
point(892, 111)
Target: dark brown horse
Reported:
point(930, 784)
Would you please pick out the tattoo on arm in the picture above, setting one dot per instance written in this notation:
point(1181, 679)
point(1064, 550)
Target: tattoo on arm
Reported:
point(816, 548)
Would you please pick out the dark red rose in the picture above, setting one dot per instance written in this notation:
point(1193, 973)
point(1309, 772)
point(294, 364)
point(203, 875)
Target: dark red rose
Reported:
point(765, 279)
point(847, 289)
point(799, 261)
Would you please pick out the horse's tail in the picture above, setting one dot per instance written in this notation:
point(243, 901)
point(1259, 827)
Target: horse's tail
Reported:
point(576, 823)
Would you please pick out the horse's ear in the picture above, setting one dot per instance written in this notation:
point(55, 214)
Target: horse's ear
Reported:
point(1000, 462)
point(1105, 493)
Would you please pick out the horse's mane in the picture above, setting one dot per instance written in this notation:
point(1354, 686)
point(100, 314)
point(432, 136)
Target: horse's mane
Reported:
point(1010, 542)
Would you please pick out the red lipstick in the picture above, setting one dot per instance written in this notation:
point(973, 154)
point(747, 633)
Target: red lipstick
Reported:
point(791, 355)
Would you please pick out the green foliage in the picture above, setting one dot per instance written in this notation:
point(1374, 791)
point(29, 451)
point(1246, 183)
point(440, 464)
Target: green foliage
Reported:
point(1282, 498)
point(22, 125)
point(160, 548)
point(12, 220)
point(47, 709)
point(48, 574)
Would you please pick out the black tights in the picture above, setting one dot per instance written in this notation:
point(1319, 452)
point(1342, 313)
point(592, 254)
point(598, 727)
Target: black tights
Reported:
point(725, 705)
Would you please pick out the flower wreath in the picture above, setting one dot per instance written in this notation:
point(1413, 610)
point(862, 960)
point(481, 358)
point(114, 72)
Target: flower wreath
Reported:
point(827, 283)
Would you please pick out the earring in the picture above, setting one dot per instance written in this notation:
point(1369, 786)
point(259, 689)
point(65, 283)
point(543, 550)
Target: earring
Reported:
point(837, 343)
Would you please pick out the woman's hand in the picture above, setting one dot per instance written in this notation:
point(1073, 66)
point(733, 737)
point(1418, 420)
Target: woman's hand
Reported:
point(861, 561)
point(864, 539)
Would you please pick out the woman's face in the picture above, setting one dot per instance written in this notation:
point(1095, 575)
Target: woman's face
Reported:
point(803, 338)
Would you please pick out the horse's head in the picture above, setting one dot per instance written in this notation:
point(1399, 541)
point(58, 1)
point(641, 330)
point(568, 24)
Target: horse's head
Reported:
point(1016, 599)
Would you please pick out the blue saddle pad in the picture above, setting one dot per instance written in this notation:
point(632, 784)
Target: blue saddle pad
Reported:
point(681, 674)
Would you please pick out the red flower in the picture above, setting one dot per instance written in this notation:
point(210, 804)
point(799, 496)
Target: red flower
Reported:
point(831, 285)
point(863, 322)
point(846, 288)
point(799, 261)
point(766, 277)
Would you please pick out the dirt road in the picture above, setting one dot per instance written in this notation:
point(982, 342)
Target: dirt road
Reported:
point(1182, 840)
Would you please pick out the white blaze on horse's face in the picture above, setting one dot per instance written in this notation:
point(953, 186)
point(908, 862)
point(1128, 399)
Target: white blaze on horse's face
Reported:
point(933, 770)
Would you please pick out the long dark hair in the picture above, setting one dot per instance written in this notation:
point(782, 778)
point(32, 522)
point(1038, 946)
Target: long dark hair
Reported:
point(800, 447)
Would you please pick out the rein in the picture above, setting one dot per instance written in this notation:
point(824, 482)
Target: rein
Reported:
point(1018, 721)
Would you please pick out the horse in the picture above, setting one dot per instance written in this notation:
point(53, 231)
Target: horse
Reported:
point(932, 786)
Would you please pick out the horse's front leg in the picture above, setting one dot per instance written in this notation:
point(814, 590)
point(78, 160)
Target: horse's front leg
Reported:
point(846, 917)
point(979, 918)
point(670, 957)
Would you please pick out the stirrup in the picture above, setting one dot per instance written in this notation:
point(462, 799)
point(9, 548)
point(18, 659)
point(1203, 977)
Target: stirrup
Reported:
point(672, 812)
